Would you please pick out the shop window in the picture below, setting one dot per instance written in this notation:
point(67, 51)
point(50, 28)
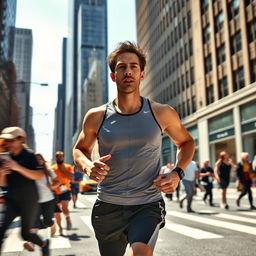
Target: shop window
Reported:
point(238, 79)
point(209, 95)
point(248, 111)
point(253, 70)
point(206, 33)
point(208, 64)
point(221, 56)
point(221, 121)
point(233, 9)
point(251, 31)
point(236, 43)
point(219, 22)
point(223, 87)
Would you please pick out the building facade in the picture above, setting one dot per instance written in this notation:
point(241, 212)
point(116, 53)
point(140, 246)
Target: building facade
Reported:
point(202, 62)
point(8, 106)
point(22, 58)
point(87, 29)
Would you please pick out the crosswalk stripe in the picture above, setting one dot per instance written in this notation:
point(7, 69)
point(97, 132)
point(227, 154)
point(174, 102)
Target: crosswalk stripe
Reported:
point(79, 204)
point(216, 223)
point(87, 221)
point(253, 214)
point(91, 199)
point(59, 242)
point(13, 243)
point(190, 232)
point(234, 217)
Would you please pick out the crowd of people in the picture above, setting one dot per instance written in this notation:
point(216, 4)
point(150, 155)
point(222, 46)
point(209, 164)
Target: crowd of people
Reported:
point(205, 177)
point(129, 208)
point(33, 190)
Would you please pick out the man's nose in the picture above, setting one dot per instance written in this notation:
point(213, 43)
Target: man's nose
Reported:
point(128, 71)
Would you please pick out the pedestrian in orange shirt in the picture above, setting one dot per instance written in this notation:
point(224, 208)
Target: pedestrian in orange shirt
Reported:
point(64, 174)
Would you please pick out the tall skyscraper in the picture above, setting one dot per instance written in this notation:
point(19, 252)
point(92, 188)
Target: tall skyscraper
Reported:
point(87, 31)
point(202, 61)
point(8, 105)
point(23, 60)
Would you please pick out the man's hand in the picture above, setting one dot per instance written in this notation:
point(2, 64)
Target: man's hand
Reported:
point(168, 182)
point(99, 169)
point(11, 165)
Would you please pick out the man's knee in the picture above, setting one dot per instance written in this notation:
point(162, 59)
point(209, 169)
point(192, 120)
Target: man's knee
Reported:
point(140, 249)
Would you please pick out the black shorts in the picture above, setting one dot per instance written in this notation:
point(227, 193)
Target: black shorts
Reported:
point(64, 196)
point(117, 225)
point(224, 183)
point(74, 191)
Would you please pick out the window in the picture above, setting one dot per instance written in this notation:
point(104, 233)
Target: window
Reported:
point(238, 79)
point(209, 95)
point(219, 22)
point(223, 87)
point(233, 9)
point(189, 19)
point(208, 64)
point(247, 2)
point(193, 104)
point(206, 33)
point(190, 47)
point(221, 56)
point(251, 31)
point(253, 70)
point(236, 43)
point(188, 107)
point(204, 6)
point(192, 76)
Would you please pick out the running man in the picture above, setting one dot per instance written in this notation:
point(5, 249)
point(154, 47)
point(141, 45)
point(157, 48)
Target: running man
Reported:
point(64, 174)
point(130, 208)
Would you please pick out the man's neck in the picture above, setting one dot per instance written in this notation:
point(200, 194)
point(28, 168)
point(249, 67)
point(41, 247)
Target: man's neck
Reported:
point(128, 104)
point(17, 151)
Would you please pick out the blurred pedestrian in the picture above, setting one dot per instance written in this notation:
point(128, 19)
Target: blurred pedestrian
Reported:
point(130, 208)
point(191, 174)
point(18, 174)
point(46, 201)
point(244, 182)
point(222, 169)
point(78, 176)
point(167, 169)
point(206, 179)
point(64, 174)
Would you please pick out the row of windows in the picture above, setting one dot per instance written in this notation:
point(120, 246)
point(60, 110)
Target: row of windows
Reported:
point(184, 109)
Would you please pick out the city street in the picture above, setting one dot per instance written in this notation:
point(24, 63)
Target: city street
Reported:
point(209, 231)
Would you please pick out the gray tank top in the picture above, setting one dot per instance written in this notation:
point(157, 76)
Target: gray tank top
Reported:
point(134, 141)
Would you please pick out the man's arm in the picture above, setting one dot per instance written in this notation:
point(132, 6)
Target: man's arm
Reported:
point(31, 174)
point(96, 170)
point(170, 123)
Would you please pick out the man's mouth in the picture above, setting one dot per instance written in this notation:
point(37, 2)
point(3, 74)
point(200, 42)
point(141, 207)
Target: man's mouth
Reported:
point(128, 80)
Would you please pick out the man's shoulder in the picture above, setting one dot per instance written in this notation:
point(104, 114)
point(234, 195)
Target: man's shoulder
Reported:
point(97, 110)
point(162, 109)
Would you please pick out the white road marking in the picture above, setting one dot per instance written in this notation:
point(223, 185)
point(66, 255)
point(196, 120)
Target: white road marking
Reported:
point(59, 242)
point(79, 204)
point(87, 221)
point(253, 214)
point(216, 223)
point(234, 217)
point(13, 242)
point(190, 232)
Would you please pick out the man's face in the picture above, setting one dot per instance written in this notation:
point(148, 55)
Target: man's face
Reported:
point(14, 145)
point(127, 73)
point(60, 158)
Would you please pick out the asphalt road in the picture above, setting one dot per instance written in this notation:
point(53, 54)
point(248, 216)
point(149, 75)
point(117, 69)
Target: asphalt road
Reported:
point(209, 231)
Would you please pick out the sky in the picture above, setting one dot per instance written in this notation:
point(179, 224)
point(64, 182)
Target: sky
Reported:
point(48, 20)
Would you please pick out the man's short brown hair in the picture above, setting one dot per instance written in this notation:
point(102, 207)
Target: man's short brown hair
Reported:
point(124, 47)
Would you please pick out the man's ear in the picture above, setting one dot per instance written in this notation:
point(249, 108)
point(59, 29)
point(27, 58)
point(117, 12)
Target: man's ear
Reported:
point(112, 76)
point(142, 75)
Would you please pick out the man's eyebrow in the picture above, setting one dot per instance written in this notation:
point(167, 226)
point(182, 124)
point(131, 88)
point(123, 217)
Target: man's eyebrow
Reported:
point(132, 63)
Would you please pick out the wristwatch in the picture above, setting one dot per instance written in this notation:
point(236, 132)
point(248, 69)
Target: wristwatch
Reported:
point(179, 171)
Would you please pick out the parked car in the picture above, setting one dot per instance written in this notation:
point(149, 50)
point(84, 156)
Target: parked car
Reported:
point(87, 185)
